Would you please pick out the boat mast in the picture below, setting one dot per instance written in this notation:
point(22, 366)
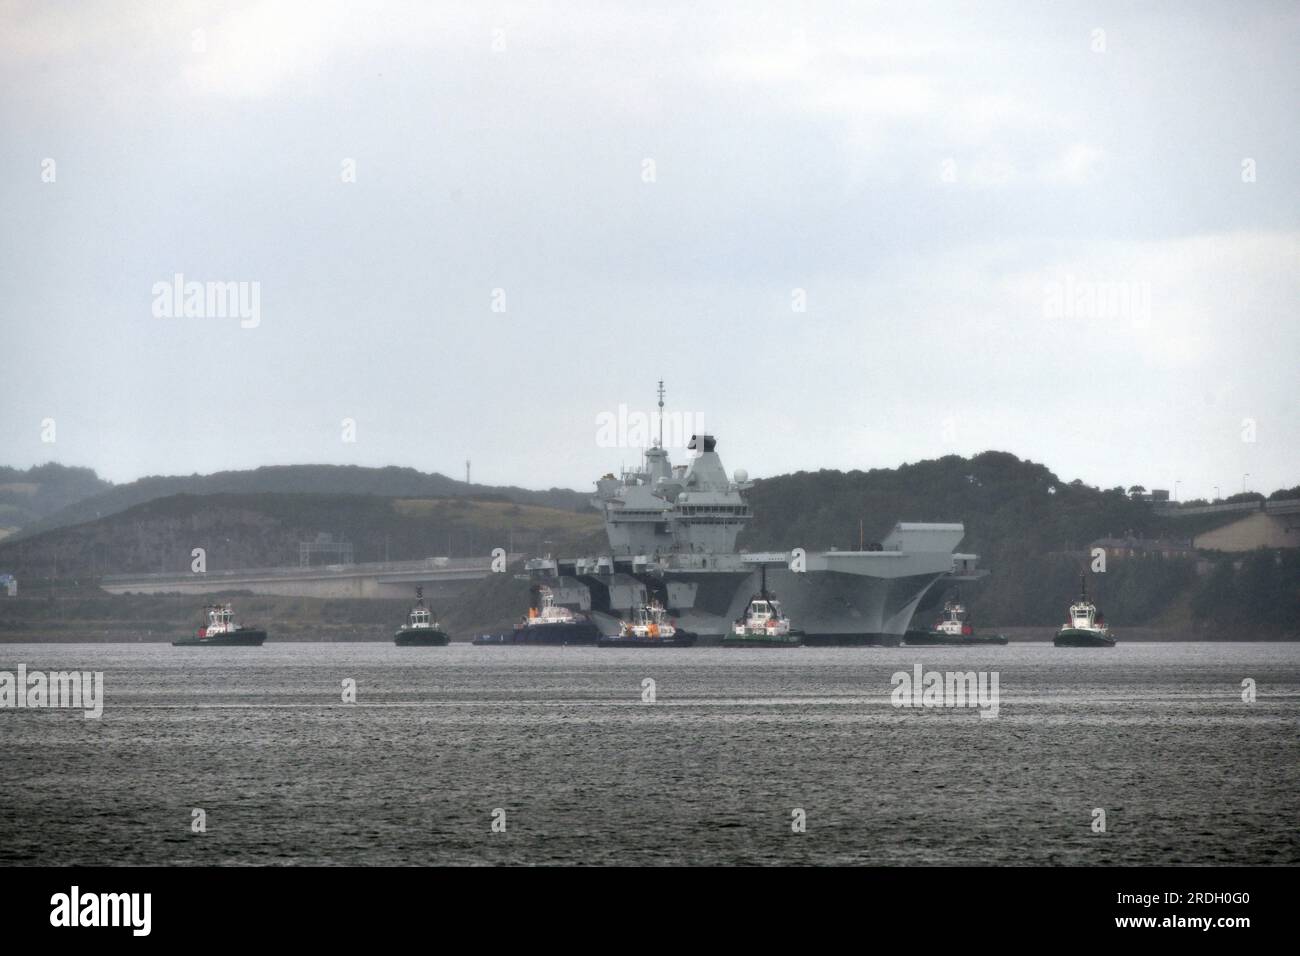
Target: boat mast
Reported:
point(660, 443)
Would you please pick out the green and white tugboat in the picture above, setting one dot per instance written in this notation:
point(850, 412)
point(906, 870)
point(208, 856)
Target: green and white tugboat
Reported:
point(763, 624)
point(222, 630)
point(1086, 626)
point(420, 629)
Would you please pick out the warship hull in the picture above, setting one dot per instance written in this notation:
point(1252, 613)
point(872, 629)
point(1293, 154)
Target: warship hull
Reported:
point(831, 608)
point(837, 599)
point(852, 640)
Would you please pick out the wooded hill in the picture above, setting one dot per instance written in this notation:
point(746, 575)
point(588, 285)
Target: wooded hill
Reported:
point(1031, 528)
point(76, 495)
point(264, 530)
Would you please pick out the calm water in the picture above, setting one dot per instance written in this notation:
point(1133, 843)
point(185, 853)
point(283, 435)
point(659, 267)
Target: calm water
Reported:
point(1156, 734)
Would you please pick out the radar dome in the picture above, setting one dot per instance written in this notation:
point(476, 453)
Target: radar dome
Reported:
point(741, 474)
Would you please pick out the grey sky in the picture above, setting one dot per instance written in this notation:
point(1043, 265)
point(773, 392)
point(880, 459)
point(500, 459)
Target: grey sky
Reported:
point(934, 177)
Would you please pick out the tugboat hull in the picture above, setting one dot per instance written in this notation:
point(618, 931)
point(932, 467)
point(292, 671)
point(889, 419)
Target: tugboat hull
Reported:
point(552, 635)
point(1072, 637)
point(248, 637)
point(680, 639)
point(424, 638)
point(932, 639)
point(793, 639)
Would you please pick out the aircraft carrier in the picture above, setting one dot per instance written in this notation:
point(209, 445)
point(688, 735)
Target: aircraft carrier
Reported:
point(672, 536)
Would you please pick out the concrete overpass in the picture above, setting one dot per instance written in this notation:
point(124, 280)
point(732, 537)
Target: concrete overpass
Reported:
point(1275, 525)
point(1281, 506)
point(439, 577)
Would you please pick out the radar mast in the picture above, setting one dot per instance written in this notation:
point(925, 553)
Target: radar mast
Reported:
point(660, 441)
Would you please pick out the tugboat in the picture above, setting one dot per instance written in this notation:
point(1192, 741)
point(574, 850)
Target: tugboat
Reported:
point(954, 627)
point(649, 626)
point(549, 623)
point(222, 630)
point(1086, 626)
point(763, 624)
point(420, 629)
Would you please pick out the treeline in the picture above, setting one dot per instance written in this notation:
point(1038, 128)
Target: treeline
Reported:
point(264, 530)
point(85, 613)
point(1032, 530)
point(104, 498)
point(1007, 505)
point(1036, 590)
point(1251, 593)
point(27, 495)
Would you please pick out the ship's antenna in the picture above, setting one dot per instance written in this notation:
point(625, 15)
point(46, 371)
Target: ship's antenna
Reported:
point(661, 413)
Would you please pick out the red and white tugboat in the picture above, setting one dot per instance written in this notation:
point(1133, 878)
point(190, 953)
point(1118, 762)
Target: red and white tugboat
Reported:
point(548, 623)
point(954, 627)
point(222, 630)
point(648, 625)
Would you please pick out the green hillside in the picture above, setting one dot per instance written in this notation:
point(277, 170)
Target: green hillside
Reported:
point(75, 614)
point(28, 495)
point(1031, 528)
point(264, 530)
point(104, 499)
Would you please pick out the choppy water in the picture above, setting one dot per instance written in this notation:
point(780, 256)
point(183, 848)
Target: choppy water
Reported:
point(1156, 734)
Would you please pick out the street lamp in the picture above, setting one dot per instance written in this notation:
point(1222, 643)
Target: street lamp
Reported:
point(1243, 482)
point(1216, 492)
point(1177, 482)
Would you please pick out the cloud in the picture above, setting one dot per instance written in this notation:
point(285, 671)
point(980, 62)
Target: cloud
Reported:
point(807, 148)
point(1184, 304)
point(1078, 165)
